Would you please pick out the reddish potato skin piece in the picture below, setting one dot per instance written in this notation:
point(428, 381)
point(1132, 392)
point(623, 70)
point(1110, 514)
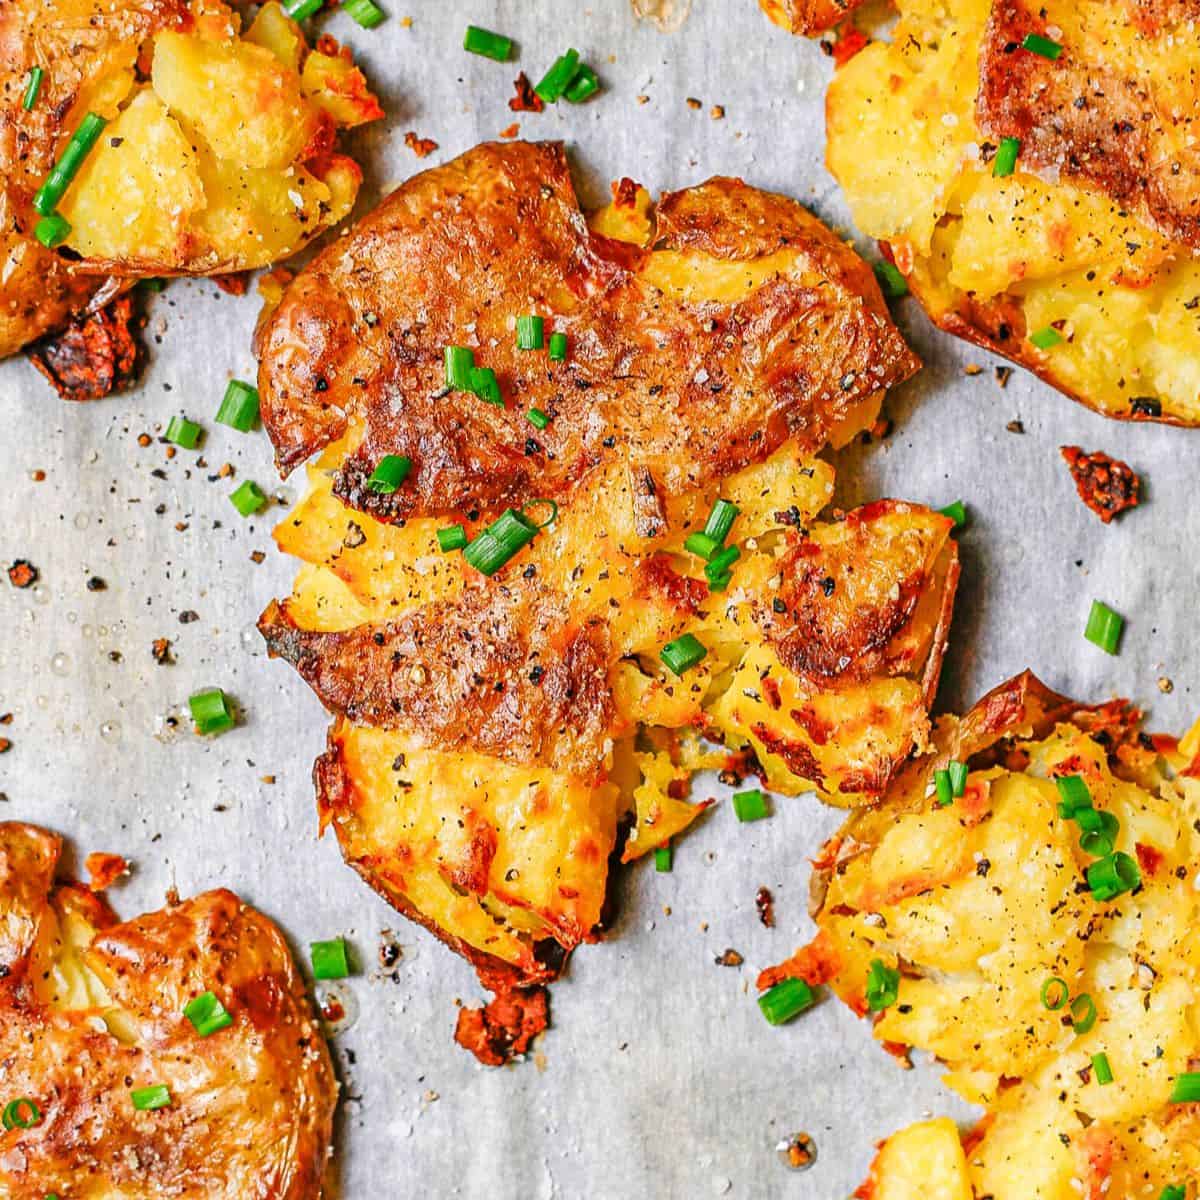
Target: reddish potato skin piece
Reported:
point(1105, 484)
point(688, 391)
point(95, 355)
point(808, 17)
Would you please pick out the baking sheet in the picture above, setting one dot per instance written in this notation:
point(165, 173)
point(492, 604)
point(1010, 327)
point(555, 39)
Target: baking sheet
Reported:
point(659, 1076)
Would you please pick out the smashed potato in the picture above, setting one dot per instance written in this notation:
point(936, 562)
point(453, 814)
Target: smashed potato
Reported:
point(809, 17)
point(92, 1013)
point(493, 734)
point(1067, 1009)
point(219, 152)
point(1080, 262)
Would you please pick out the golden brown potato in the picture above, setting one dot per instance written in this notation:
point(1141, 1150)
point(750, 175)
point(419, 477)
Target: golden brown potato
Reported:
point(809, 17)
point(92, 1009)
point(978, 904)
point(1081, 263)
point(219, 154)
point(492, 733)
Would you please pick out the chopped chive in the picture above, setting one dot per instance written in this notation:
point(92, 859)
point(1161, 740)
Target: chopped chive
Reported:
point(486, 386)
point(153, 284)
point(883, 986)
point(1083, 1013)
point(52, 231)
point(540, 502)
point(1099, 832)
point(750, 806)
point(1102, 1069)
point(558, 347)
point(459, 361)
point(584, 85)
point(1187, 1088)
point(248, 498)
point(682, 654)
point(663, 858)
point(207, 1014)
point(46, 199)
point(33, 87)
point(21, 1113)
point(329, 960)
point(211, 712)
point(891, 281)
point(786, 1000)
point(943, 787)
point(1043, 46)
point(366, 13)
point(239, 406)
point(488, 44)
point(1104, 627)
point(718, 583)
point(1073, 795)
point(1055, 993)
point(148, 1099)
point(1046, 339)
point(453, 537)
point(531, 332)
point(556, 80)
point(1173, 1191)
point(301, 10)
point(390, 472)
point(958, 777)
point(720, 562)
point(1113, 876)
point(537, 418)
point(701, 545)
point(500, 541)
point(183, 432)
point(957, 512)
point(720, 520)
point(1007, 153)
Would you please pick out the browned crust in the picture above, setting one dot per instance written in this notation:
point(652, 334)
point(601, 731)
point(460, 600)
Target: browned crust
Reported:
point(506, 1026)
point(809, 17)
point(95, 355)
point(1106, 485)
point(951, 567)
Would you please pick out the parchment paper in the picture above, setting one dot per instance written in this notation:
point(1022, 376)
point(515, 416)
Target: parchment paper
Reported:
point(659, 1075)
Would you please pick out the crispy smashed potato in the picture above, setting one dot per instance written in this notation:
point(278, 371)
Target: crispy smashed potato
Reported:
point(1080, 264)
point(492, 734)
point(1011, 968)
point(809, 17)
point(219, 154)
point(92, 1011)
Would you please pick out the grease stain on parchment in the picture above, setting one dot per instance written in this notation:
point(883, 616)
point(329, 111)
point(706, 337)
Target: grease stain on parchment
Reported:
point(667, 15)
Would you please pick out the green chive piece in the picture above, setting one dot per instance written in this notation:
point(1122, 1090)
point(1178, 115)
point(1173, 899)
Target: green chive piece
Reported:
point(1083, 1013)
point(52, 231)
point(537, 418)
point(490, 45)
point(718, 583)
point(329, 959)
point(958, 777)
point(390, 472)
point(943, 787)
point(1073, 795)
point(211, 712)
point(453, 537)
point(957, 512)
point(891, 281)
point(556, 80)
point(1055, 993)
point(540, 502)
point(663, 857)
point(500, 541)
point(682, 654)
point(883, 986)
point(207, 1014)
point(1173, 1191)
point(1007, 153)
point(46, 199)
point(21, 1113)
point(1098, 831)
point(720, 562)
point(1104, 627)
point(1187, 1088)
point(1103, 1071)
point(301, 10)
point(1043, 46)
point(786, 1000)
point(366, 13)
point(248, 498)
point(558, 347)
point(584, 85)
point(531, 333)
point(486, 386)
point(239, 406)
point(720, 520)
point(33, 87)
point(1046, 339)
point(148, 1099)
point(153, 284)
point(750, 806)
point(183, 432)
point(1113, 876)
point(701, 545)
point(459, 361)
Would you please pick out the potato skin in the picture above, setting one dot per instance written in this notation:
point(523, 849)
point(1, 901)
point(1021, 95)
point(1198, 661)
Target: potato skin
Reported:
point(809, 17)
point(252, 1110)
